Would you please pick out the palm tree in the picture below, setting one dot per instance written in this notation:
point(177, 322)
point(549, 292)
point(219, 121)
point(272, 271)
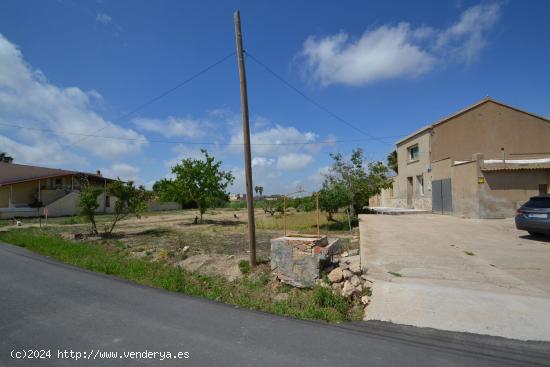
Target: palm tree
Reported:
point(260, 190)
point(392, 161)
point(4, 157)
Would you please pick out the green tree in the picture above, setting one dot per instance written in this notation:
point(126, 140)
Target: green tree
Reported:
point(261, 191)
point(377, 178)
point(273, 206)
point(202, 181)
point(130, 200)
point(361, 179)
point(165, 190)
point(392, 161)
point(352, 174)
point(4, 157)
point(88, 205)
point(333, 196)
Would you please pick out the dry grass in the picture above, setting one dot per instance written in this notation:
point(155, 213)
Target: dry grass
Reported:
point(224, 231)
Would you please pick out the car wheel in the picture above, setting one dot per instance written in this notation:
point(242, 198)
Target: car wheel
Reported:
point(536, 234)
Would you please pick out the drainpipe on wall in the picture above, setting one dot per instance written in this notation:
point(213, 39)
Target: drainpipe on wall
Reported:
point(10, 201)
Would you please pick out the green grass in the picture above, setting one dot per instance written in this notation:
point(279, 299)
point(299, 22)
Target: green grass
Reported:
point(244, 266)
point(303, 222)
point(254, 292)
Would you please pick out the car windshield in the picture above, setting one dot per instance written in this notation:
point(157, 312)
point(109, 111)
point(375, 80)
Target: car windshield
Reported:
point(538, 203)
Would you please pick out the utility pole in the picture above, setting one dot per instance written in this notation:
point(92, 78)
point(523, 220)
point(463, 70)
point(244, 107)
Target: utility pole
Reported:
point(246, 140)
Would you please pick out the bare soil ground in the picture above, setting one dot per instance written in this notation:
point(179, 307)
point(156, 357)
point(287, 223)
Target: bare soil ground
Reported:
point(213, 247)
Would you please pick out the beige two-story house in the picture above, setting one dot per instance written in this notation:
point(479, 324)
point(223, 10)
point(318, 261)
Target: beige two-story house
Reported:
point(481, 162)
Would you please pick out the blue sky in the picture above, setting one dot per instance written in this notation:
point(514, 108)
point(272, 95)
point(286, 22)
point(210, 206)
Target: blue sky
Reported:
point(388, 68)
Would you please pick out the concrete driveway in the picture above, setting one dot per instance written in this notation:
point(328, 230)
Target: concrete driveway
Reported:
point(480, 276)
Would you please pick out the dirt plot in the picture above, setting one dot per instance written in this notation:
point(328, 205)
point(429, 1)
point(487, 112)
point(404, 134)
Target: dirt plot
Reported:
point(214, 247)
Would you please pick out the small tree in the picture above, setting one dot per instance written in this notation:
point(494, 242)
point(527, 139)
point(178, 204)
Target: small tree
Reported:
point(351, 173)
point(332, 197)
point(361, 179)
point(130, 200)
point(4, 157)
point(273, 206)
point(88, 205)
point(202, 181)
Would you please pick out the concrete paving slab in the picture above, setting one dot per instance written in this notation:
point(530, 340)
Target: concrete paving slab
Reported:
point(460, 309)
point(480, 276)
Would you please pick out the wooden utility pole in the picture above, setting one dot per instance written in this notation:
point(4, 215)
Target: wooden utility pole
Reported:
point(246, 140)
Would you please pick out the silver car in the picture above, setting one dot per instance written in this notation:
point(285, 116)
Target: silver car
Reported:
point(534, 216)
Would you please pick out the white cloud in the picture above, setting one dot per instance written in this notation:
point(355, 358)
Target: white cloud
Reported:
point(183, 152)
point(262, 162)
point(383, 53)
point(28, 98)
point(466, 38)
point(42, 152)
point(293, 161)
point(265, 141)
point(103, 18)
point(317, 179)
point(392, 51)
point(174, 126)
point(124, 171)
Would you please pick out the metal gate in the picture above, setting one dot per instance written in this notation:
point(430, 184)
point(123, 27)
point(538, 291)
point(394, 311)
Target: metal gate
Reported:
point(442, 197)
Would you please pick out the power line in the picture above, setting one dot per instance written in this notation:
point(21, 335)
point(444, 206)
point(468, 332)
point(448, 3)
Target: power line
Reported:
point(309, 99)
point(154, 99)
point(162, 141)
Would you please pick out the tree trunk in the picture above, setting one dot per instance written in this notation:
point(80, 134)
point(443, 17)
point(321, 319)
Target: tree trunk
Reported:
point(94, 226)
point(115, 220)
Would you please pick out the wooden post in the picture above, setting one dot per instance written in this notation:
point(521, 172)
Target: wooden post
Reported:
point(318, 227)
point(246, 140)
point(104, 195)
point(284, 213)
point(349, 220)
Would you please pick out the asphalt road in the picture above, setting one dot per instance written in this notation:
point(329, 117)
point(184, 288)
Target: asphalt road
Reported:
point(47, 305)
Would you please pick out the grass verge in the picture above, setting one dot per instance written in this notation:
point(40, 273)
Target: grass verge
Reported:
point(254, 292)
